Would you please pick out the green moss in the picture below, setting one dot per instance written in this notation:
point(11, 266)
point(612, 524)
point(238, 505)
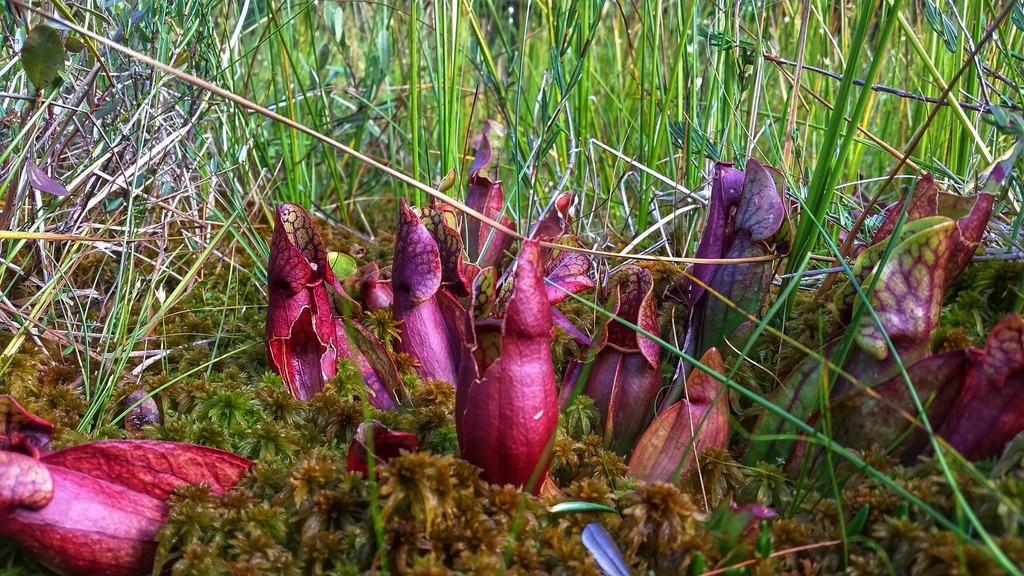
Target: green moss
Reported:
point(382, 324)
point(580, 418)
point(983, 295)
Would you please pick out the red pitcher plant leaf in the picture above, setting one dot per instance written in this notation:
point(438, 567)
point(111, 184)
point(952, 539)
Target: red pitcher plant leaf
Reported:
point(506, 414)
point(998, 173)
point(759, 214)
point(924, 202)
point(970, 397)
point(485, 142)
point(20, 430)
point(305, 339)
point(556, 221)
point(626, 376)
point(564, 323)
point(40, 180)
point(485, 245)
point(861, 420)
point(440, 221)
point(800, 395)
point(726, 186)
point(566, 273)
point(907, 300)
point(376, 293)
point(96, 508)
point(987, 411)
point(88, 527)
point(432, 321)
point(152, 467)
point(300, 323)
point(695, 423)
point(387, 444)
point(971, 214)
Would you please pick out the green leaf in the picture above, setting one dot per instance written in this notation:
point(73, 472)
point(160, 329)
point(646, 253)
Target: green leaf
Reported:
point(933, 16)
point(342, 264)
point(447, 182)
point(950, 34)
point(42, 56)
point(942, 25)
point(857, 524)
point(764, 541)
point(567, 507)
point(73, 45)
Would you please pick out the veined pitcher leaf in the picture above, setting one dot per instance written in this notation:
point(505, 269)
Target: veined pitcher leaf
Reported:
point(908, 294)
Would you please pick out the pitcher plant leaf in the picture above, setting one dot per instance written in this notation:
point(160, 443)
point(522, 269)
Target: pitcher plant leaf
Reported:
point(506, 415)
point(695, 423)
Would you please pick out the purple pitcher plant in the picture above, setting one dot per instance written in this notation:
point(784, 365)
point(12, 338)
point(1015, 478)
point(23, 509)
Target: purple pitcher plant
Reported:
point(305, 337)
point(487, 330)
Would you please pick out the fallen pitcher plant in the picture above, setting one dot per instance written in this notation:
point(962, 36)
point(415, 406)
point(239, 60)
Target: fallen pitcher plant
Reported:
point(96, 508)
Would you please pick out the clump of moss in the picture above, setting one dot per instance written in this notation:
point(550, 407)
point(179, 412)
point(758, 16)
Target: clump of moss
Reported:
point(382, 324)
point(981, 296)
point(563, 348)
point(587, 458)
point(580, 418)
point(956, 338)
point(433, 415)
point(715, 477)
point(46, 387)
point(658, 521)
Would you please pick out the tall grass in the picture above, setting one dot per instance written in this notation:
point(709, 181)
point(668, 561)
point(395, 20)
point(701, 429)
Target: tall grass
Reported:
point(624, 104)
